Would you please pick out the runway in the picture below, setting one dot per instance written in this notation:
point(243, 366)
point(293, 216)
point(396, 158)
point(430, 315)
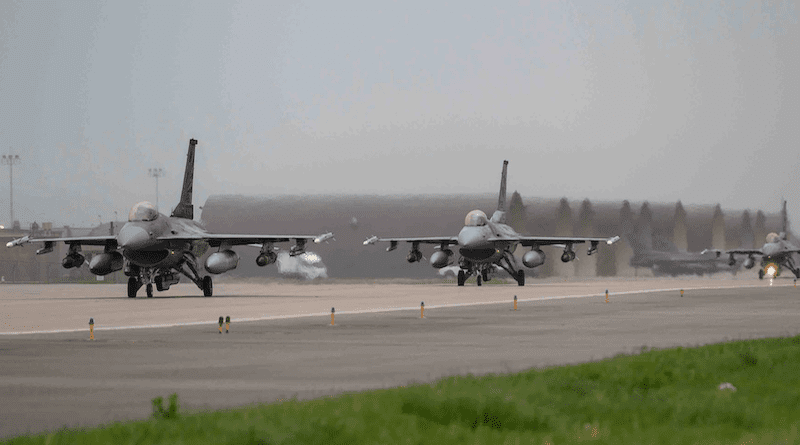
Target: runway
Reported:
point(59, 377)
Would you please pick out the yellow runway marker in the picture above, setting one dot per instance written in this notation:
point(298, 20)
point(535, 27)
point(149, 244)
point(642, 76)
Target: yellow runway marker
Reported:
point(91, 328)
point(332, 311)
point(681, 292)
point(515, 302)
point(606, 295)
point(220, 324)
point(227, 323)
point(422, 310)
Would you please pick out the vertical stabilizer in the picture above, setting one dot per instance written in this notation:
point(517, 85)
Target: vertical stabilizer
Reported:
point(501, 200)
point(185, 209)
point(785, 222)
point(499, 215)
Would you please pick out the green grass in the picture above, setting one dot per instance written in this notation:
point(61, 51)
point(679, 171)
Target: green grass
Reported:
point(655, 397)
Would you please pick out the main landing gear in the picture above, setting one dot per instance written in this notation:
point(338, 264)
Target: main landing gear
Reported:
point(482, 273)
point(207, 286)
point(164, 278)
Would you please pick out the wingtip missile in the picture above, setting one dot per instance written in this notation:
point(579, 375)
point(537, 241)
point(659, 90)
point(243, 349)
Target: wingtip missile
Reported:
point(371, 240)
point(324, 237)
point(612, 240)
point(18, 241)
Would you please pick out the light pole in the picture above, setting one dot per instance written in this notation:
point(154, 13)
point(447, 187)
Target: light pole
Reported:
point(10, 160)
point(156, 173)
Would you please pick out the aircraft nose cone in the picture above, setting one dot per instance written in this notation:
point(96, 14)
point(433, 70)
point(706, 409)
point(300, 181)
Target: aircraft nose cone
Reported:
point(770, 249)
point(473, 245)
point(133, 237)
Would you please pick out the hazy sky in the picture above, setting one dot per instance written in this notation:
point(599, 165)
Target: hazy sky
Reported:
point(658, 101)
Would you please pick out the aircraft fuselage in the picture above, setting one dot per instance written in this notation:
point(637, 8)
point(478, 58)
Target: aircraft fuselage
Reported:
point(140, 244)
point(475, 244)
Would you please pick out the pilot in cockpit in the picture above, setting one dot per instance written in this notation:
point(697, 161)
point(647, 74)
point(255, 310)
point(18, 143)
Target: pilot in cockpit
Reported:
point(143, 211)
point(475, 218)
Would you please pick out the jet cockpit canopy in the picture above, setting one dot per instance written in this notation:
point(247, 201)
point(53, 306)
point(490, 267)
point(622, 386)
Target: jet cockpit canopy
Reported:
point(143, 211)
point(475, 218)
point(773, 238)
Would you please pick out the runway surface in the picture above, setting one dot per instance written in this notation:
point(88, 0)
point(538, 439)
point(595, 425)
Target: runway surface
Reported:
point(59, 377)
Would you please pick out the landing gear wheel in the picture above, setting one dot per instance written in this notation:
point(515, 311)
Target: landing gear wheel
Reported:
point(208, 286)
point(485, 275)
point(761, 274)
point(461, 277)
point(521, 278)
point(133, 287)
point(149, 290)
point(478, 279)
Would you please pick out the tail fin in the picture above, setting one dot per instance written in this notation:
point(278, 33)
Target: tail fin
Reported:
point(784, 221)
point(185, 209)
point(499, 215)
point(501, 200)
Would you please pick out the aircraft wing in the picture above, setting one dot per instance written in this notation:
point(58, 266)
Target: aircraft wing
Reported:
point(556, 240)
point(230, 239)
point(741, 252)
point(82, 240)
point(448, 240)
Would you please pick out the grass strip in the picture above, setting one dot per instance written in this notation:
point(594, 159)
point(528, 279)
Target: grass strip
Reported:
point(668, 396)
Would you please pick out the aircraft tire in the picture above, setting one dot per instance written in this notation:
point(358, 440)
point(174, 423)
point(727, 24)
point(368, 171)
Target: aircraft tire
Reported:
point(485, 274)
point(760, 274)
point(478, 279)
point(133, 287)
point(208, 286)
point(461, 278)
point(149, 289)
point(521, 278)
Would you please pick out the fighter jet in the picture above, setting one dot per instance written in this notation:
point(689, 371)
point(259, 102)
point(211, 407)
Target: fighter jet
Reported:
point(775, 253)
point(489, 242)
point(664, 258)
point(153, 248)
point(681, 262)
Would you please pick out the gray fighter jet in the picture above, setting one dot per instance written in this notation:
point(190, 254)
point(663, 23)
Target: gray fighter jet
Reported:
point(775, 253)
point(665, 259)
point(485, 244)
point(153, 248)
point(678, 262)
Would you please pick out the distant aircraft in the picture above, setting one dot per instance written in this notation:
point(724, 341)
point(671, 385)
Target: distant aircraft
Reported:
point(669, 259)
point(486, 243)
point(680, 262)
point(775, 253)
point(156, 249)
